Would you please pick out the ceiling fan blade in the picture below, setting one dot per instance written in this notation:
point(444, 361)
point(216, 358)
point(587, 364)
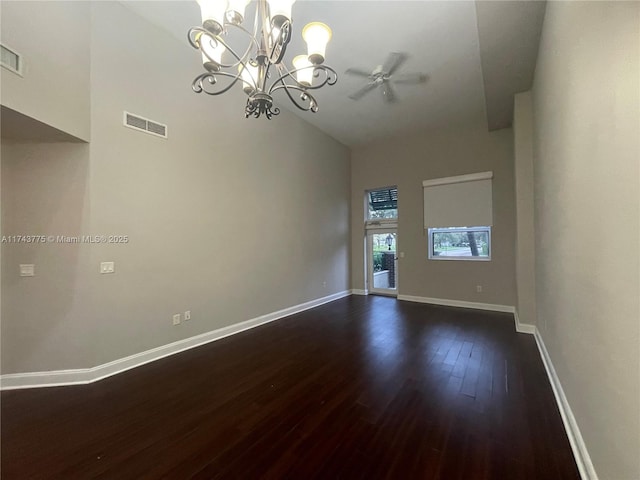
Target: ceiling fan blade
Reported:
point(387, 93)
point(410, 78)
point(357, 72)
point(360, 93)
point(394, 60)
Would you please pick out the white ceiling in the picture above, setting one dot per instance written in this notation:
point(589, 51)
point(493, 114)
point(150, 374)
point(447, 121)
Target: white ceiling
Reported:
point(442, 41)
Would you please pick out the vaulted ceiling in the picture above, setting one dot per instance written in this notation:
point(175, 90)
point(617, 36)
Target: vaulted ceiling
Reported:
point(475, 55)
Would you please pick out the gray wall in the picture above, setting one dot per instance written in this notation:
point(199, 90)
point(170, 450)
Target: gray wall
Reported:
point(46, 319)
point(229, 218)
point(53, 39)
point(586, 166)
point(406, 162)
point(525, 228)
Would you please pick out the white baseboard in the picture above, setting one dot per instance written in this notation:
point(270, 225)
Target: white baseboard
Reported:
point(520, 327)
point(60, 378)
point(523, 327)
point(580, 453)
point(357, 291)
point(459, 303)
point(56, 378)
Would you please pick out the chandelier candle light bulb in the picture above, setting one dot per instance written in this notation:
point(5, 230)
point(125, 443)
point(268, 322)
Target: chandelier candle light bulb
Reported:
point(259, 67)
point(317, 35)
point(280, 11)
point(213, 14)
point(304, 74)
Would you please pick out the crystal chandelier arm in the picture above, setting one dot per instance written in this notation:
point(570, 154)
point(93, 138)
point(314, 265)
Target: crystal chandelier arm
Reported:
point(198, 84)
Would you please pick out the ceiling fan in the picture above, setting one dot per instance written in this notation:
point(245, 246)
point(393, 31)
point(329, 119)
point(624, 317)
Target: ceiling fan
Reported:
point(384, 75)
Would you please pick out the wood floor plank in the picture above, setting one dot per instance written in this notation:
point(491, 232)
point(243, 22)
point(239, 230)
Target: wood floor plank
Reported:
point(360, 388)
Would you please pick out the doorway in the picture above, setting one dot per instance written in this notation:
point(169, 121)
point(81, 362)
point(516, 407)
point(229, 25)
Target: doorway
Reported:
point(382, 256)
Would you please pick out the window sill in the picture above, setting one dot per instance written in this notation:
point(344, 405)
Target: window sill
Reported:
point(464, 259)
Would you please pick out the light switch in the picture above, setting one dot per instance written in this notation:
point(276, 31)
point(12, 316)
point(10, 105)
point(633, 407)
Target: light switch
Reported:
point(27, 269)
point(401, 254)
point(107, 267)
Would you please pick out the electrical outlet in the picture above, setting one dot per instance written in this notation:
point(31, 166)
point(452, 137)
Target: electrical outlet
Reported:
point(187, 315)
point(27, 270)
point(107, 267)
point(176, 319)
point(479, 288)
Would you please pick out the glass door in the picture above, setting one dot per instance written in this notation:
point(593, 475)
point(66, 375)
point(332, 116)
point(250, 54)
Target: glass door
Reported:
point(382, 256)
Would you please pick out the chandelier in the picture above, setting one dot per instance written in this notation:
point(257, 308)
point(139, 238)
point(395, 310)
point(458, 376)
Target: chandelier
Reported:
point(260, 67)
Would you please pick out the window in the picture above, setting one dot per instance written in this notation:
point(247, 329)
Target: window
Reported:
point(460, 243)
point(382, 203)
point(461, 200)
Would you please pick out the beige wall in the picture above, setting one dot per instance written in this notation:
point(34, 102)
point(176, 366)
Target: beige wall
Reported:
point(46, 319)
point(231, 219)
point(53, 39)
point(525, 234)
point(586, 165)
point(406, 162)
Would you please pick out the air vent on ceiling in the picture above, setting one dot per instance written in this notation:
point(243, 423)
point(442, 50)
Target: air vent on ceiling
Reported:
point(11, 60)
point(145, 125)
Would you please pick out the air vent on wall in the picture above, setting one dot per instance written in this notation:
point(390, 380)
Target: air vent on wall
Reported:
point(145, 125)
point(11, 60)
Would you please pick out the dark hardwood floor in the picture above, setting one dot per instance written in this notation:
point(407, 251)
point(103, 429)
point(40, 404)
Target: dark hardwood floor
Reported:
point(360, 388)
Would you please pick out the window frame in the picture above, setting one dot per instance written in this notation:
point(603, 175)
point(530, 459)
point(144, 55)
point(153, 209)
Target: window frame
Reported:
point(368, 206)
point(471, 258)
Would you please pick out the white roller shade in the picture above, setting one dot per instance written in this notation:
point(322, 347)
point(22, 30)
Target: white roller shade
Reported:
point(462, 201)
